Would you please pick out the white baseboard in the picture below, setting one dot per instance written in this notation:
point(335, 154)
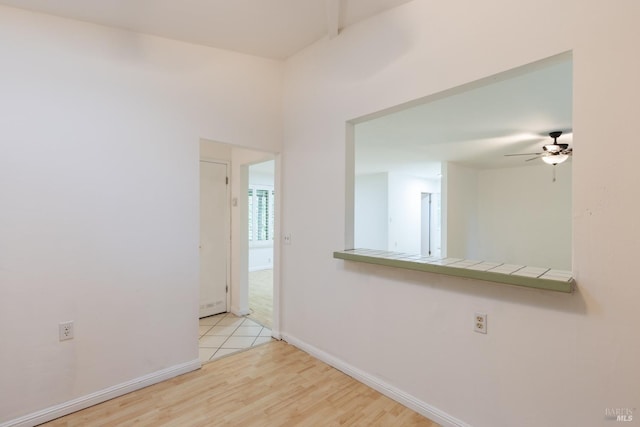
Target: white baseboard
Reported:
point(276, 334)
point(83, 402)
point(388, 390)
point(261, 267)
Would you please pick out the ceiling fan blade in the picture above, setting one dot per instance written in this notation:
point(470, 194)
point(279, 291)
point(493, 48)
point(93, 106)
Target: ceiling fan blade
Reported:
point(523, 154)
point(534, 158)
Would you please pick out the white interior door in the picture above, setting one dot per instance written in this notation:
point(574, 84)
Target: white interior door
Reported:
point(214, 238)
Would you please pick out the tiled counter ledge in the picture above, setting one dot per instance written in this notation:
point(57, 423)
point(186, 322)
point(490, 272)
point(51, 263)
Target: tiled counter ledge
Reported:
point(518, 275)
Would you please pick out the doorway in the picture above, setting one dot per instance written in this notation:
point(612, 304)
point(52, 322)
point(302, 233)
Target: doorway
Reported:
point(430, 225)
point(261, 237)
point(214, 238)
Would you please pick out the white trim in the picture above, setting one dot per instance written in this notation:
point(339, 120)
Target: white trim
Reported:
point(276, 335)
point(388, 390)
point(259, 244)
point(83, 402)
point(277, 241)
point(261, 267)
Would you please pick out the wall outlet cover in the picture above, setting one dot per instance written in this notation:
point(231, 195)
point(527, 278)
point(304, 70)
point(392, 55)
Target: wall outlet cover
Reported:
point(480, 323)
point(65, 330)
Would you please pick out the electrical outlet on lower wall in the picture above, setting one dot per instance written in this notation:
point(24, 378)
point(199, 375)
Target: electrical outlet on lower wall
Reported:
point(480, 322)
point(65, 330)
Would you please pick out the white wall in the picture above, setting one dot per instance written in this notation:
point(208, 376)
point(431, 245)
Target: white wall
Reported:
point(405, 209)
point(371, 211)
point(387, 211)
point(260, 258)
point(213, 150)
point(548, 359)
point(257, 177)
point(524, 217)
point(99, 195)
point(512, 215)
point(460, 185)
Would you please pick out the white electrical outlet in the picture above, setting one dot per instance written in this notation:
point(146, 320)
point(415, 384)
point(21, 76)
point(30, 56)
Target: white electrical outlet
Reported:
point(65, 330)
point(287, 239)
point(480, 322)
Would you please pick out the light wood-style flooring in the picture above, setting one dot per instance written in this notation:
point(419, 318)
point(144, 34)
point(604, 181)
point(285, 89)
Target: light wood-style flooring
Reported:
point(274, 384)
point(261, 297)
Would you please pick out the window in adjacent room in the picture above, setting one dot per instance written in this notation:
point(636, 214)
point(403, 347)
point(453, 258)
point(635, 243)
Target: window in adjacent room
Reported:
point(261, 213)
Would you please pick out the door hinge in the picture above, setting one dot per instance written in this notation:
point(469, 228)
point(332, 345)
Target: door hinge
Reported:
point(226, 180)
point(226, 289)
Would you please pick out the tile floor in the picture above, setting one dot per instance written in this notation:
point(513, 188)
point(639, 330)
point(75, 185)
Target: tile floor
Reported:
point(227, 333)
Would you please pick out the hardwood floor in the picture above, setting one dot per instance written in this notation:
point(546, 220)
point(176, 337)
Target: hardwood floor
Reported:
point(261, 297)
point(271, 385)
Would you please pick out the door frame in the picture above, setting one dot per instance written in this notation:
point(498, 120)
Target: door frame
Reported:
point(425, 222)
point(238, 157)
point(241, 291)
point(227, 225)
point(277, 248)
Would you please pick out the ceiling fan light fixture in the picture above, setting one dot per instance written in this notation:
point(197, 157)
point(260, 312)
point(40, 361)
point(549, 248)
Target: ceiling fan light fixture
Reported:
point(555, 159)
point(552, 154)
point(552, 148)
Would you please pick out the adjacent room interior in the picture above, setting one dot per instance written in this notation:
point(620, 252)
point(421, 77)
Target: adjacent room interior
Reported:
point(261, 237)
point(449, 177)
point(236, 261)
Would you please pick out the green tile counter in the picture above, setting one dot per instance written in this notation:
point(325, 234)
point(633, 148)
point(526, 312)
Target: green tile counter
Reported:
point(511, 274)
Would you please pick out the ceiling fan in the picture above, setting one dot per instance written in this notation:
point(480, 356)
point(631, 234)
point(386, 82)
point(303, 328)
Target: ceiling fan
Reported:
point(552, 154)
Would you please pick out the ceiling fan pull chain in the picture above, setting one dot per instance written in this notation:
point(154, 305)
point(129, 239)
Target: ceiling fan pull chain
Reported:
point(554, 173)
